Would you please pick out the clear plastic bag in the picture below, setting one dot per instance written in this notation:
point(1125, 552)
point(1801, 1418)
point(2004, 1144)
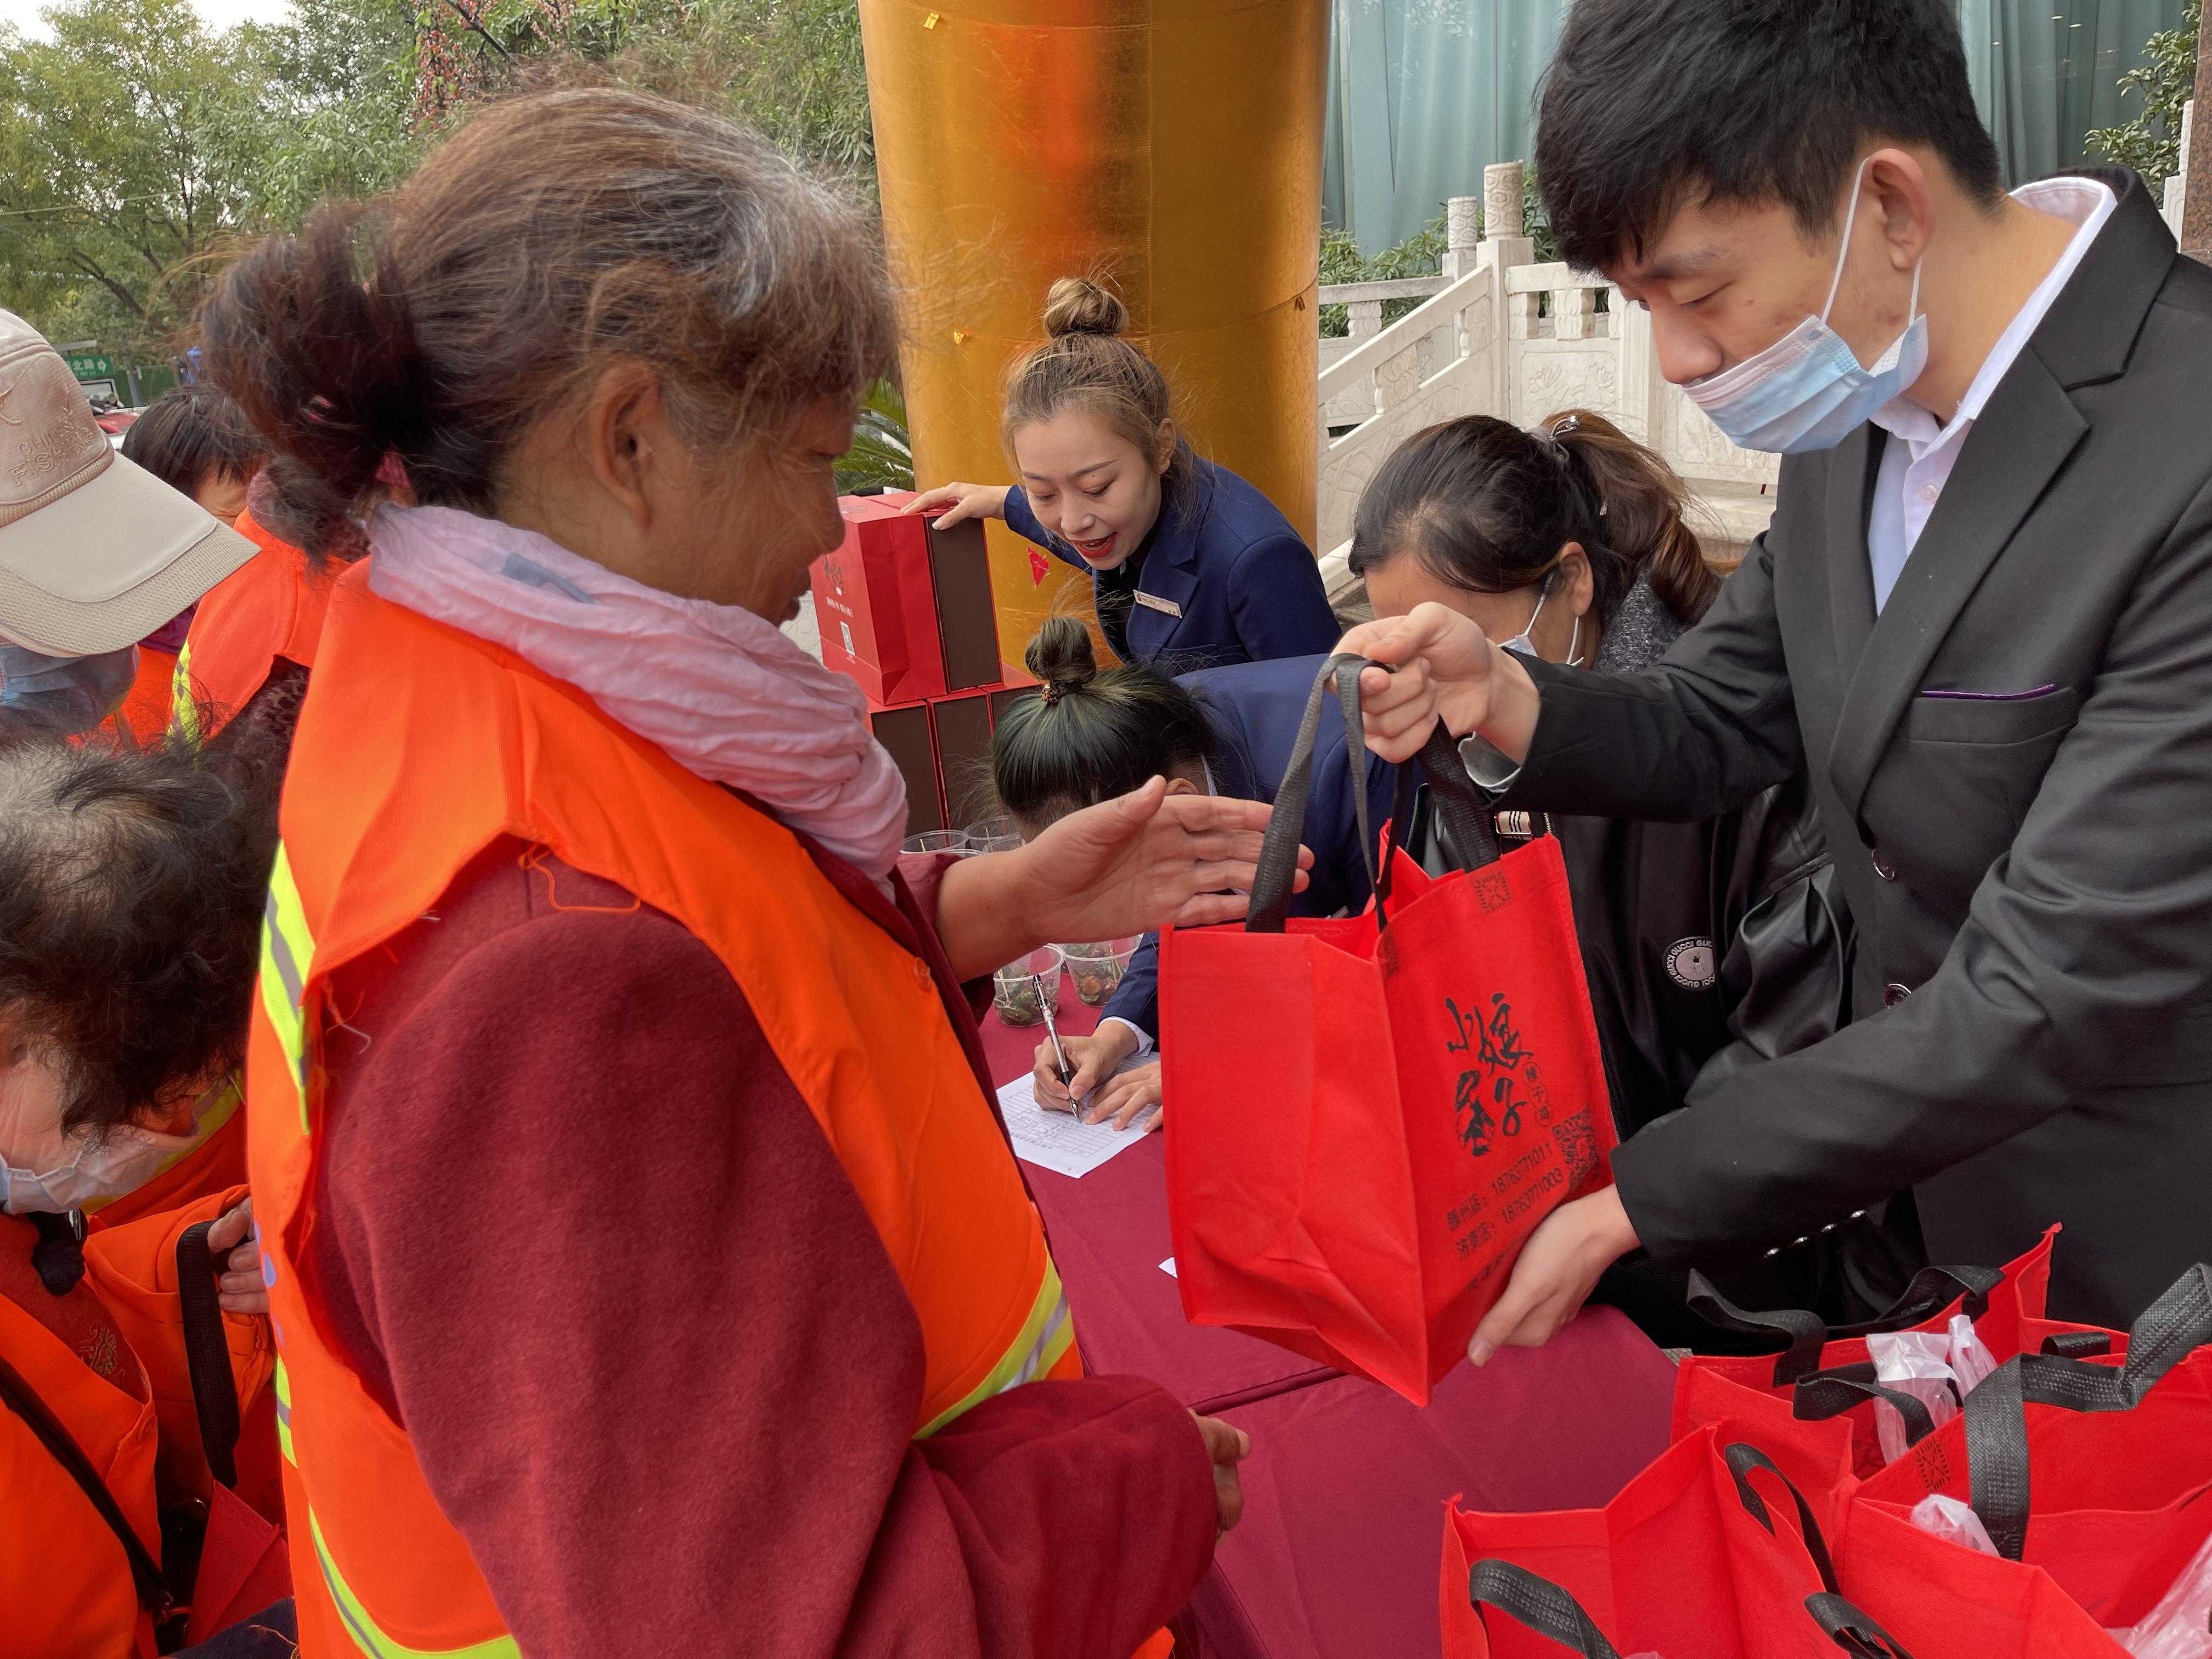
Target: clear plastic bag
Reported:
point(1918, 1363)
point(2180, 1625)
point(1970, 1357)
point(1949, 1519)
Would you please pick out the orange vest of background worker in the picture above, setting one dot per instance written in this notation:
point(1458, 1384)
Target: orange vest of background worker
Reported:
point(104, 1365)
point(145, 711)
point(417, 747)
point(270, 608)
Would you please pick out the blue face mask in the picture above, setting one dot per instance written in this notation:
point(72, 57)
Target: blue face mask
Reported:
point(64, 694)
point(1807, 391)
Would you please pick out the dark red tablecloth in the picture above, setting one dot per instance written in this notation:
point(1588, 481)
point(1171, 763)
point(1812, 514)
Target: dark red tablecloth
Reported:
point(1344, 1492)
point(1345, 1489)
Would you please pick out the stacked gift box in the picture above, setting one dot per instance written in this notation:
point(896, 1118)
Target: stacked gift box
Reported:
point(905, 609)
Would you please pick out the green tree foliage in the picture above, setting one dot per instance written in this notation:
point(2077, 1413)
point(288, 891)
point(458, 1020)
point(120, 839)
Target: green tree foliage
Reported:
point(881, 454)
point(110, 189)
point(2151, 144)
point(139, 149)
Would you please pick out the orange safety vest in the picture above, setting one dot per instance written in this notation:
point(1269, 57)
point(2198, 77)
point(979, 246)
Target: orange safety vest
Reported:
point(270, 607)
point(66, 1583)
point(145, 710)
point(420, 745)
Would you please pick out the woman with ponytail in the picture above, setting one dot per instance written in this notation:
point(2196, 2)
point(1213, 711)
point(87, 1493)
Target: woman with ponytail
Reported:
point(649, 1271)
point(1191, 567)
point(1092, 734)
point(1709, 946)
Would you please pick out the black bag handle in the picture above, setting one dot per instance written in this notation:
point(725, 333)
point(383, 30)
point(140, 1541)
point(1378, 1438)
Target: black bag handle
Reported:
point(1467, 826)
point(1932, 1289)
point(145, 1573)
point(1539, 1604)
point(2162, 1336)
point(1279, 852)
point(1852, 1631)
point(2076, 1345)
point(1842, 1623)
point(1832, 1393)
point(207, 1354)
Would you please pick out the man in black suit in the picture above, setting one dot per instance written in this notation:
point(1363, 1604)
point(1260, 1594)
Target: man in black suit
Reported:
point(1981, 624)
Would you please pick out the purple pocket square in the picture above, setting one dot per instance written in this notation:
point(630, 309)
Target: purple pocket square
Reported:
point(1992, 696)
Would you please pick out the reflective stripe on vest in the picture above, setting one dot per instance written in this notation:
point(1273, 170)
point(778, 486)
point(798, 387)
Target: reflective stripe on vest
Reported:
point(372, 1640)
point(283, 1388)
point(286, 950)
point(184, 710)
point(1045, 1336)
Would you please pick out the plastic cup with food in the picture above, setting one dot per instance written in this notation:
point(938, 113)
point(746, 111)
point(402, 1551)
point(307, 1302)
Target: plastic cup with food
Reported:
point(1097, 968)
point(1015, 987)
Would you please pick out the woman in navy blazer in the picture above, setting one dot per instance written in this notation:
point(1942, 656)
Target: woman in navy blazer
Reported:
point(1191, 567)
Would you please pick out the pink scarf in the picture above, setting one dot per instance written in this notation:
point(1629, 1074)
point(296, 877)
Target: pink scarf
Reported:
point(725, 692)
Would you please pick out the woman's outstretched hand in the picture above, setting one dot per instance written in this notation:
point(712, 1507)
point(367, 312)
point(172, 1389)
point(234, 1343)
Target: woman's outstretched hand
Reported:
point(1445, 669)
point(950, 503)
point(1145, 859)
point(1133, 864)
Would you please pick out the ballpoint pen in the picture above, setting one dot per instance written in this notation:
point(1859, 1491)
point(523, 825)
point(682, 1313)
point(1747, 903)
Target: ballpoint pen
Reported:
point(1059, 1053)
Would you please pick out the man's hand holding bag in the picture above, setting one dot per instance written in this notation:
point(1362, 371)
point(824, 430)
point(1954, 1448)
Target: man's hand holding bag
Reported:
point(1371, 1114)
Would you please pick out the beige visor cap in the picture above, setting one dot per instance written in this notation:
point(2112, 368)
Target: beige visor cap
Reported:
point(95, 553)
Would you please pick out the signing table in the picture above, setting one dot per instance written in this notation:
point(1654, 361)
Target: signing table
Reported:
point(1344, 1492)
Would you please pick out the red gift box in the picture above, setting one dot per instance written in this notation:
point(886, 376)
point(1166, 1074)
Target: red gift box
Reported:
point(942, 749)
point(904, 608)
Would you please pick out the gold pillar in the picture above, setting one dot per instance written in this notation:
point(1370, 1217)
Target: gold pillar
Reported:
point(1171, 148)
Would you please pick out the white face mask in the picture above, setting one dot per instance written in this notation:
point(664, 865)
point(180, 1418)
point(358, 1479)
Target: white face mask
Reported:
point(43, 1168)
point(1807, 391)
point(1526, 646)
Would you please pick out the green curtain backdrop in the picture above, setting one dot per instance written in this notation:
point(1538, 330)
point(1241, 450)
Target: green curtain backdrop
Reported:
point(1423, 93)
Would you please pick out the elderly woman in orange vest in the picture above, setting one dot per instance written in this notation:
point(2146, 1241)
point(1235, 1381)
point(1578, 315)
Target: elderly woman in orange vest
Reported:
point(651, 1272)
point(130, 889)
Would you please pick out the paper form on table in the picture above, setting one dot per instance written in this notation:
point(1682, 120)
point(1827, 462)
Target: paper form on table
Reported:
point(1054, 1141)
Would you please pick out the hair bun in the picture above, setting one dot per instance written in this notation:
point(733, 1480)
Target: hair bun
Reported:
point(1060, 656)
point(1076, 305)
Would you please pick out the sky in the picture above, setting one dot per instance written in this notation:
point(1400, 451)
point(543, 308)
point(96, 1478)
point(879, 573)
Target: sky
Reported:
point(219, 14)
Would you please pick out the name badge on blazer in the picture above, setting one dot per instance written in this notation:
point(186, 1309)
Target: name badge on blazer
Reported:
point(1154, 602)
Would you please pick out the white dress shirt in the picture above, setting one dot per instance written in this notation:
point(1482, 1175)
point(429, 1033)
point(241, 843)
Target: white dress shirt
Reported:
point(1915, 468)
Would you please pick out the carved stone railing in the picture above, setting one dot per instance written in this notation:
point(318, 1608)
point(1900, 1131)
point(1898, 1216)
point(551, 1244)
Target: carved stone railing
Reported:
point(1506, 335)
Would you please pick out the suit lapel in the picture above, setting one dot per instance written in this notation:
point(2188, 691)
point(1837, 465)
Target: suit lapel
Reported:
point(1170, 572)
point(2026, 432)
point(1852, 477)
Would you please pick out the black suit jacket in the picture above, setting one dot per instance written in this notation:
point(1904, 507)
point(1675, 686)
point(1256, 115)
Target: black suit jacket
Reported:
point(2013, 768)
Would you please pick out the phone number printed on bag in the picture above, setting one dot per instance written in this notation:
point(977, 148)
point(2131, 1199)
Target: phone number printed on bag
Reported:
point(1489, 1095)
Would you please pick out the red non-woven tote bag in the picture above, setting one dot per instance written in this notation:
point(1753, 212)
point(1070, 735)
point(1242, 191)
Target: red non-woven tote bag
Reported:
point(1758, 1390)
point(1368, 1115)
point(1690, 1561)
point(2097, 1478)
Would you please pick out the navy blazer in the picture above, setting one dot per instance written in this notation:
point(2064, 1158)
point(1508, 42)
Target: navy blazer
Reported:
point(1236, 582)
point(1255, 709)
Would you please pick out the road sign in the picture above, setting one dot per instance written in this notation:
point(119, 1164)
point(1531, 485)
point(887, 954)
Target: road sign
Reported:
point(92, 366)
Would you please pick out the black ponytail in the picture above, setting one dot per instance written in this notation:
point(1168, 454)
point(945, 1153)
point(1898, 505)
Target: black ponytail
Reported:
point(1486, 507)
point(1089, 735)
